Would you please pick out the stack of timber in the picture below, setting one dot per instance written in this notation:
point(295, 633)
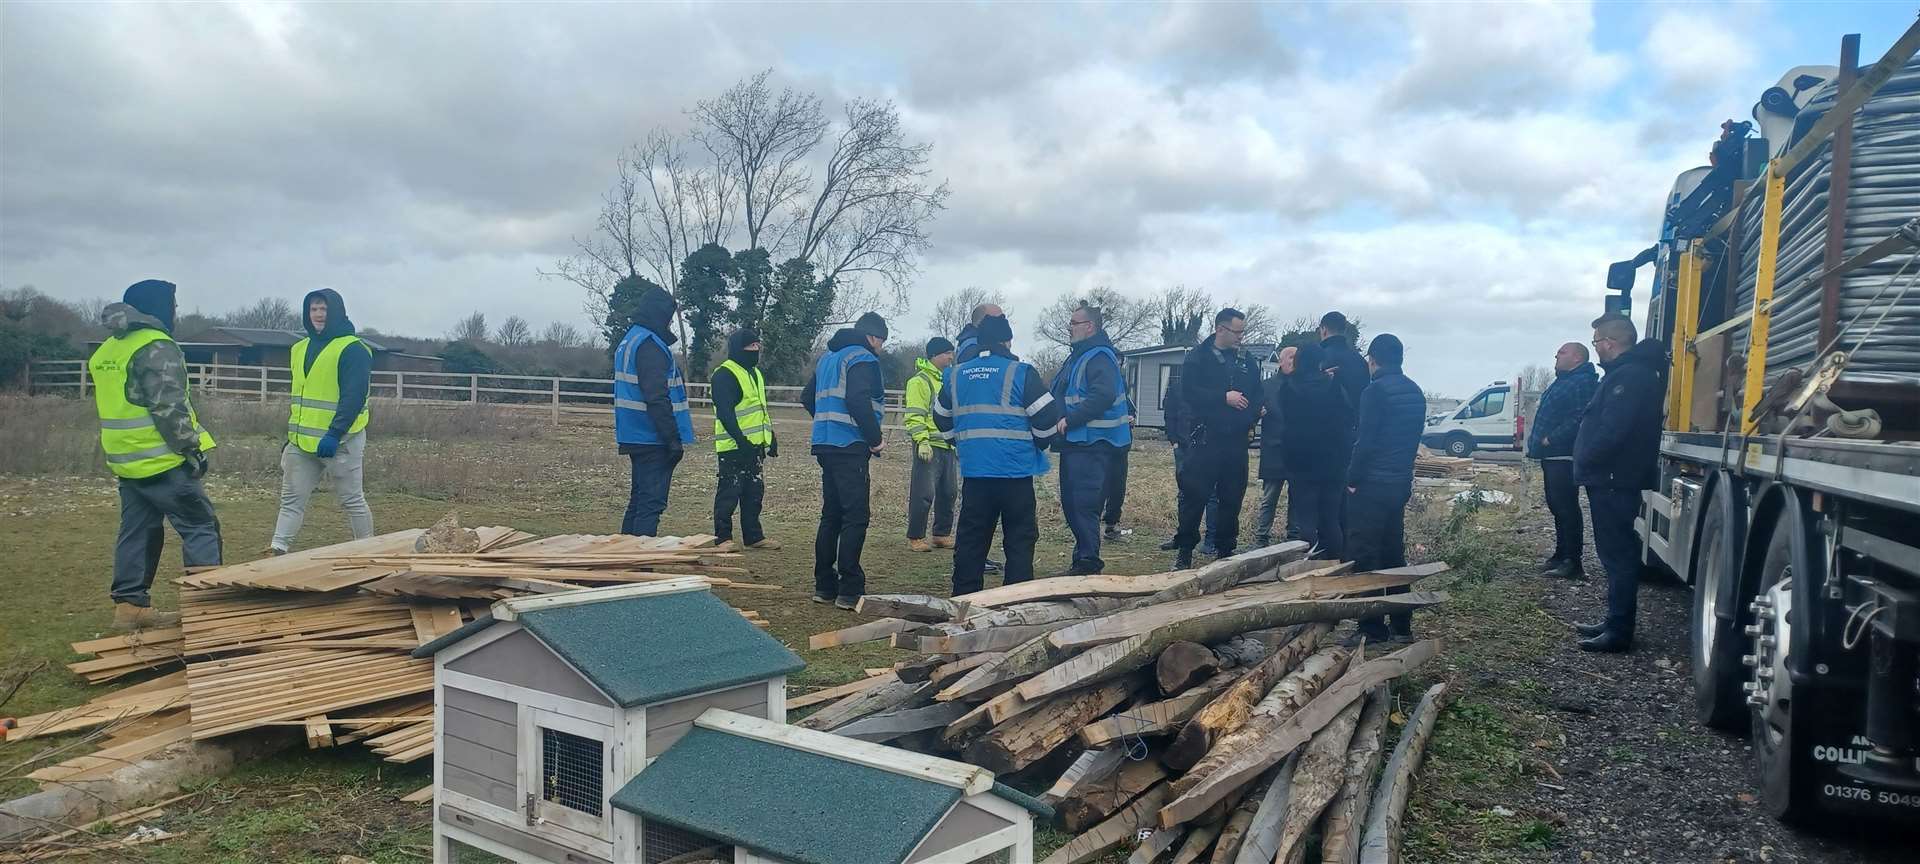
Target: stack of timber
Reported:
point(322, 639)
point(1196, 716)
point(1442, 467)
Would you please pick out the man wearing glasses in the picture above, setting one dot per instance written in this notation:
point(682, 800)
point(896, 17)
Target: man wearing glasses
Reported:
point(1215, 381)
point(1615, 455)
point(1095, 432)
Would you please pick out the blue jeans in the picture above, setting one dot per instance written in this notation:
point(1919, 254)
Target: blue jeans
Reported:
point(647, 496)
point(1083, 479)
point(1618, 548)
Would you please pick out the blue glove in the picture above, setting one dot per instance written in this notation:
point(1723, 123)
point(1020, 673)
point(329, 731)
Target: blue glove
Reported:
point(329, 445)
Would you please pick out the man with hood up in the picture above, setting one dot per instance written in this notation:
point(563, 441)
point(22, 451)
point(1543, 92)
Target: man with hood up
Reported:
point(1616, 456)
point(742, 441)
point(155, 445)
point(936, 470)
point(845, 397)
point(327, 422)
point(651, 419)
point(1095, 432)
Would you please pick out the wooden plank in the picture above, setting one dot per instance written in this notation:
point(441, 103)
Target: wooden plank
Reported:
point(1095, 800)
point(837, 691)
point(109, 759)
point(1156, 718)
point(1073, 586)
point(888, 696)
point(990, 639)
point(1119, 828)
point(1029, 737)
point(886, 727)
point(1134, 622)
point(866, 632)
point(319, 732)
point(1089, 767)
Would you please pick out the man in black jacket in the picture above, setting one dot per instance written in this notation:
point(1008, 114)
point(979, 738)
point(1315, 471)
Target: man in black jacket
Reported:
point(1273, 450)
point(1345, 366)
point(1221, 386)
point(1616, 456)
point(1393, 411)
point(1550, 440)
point(740, 453)
point(1088, 388)
point(844, 456)
point(1180, 432)
point(1317, 452)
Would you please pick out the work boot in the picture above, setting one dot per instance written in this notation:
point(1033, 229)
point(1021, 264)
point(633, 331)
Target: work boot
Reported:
point(1588, 631)
point(767, 544)
point(822, 598)
point(128, 618)
point(1078, 570)
point(1169, 546)
point(1551, 564)
point(991, 566)
point(847, 603)
point(919, 545)
point(940, 542)
point(1608, 643)
point(1566, 570)
point(272, 552)
point(1112, 532)
point(1183, 559)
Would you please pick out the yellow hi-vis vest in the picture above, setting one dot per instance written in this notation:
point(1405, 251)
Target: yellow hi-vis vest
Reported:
point(751, 413)
point(316, 394)
point(132, 443)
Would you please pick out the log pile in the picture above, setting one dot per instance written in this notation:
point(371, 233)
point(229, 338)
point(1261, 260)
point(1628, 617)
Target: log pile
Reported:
point(1197, 716)
point(322, 638)
point(1442, 467)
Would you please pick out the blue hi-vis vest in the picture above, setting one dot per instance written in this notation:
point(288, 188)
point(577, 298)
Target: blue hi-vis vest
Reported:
point(832, 425)
point(630, 422)
point(1110, 427)
point(990, 424)
point(967, 345)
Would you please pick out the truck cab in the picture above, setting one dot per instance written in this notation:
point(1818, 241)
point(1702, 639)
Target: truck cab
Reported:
point(1487, 421)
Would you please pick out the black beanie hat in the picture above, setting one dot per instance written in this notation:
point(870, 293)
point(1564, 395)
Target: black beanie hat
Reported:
point(938, 345)
point(871, 324)
point(1386, 350)
point(154, 297)
point(995, 330)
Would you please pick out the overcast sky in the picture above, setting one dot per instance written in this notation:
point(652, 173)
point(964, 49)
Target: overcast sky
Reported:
point(1458, 174)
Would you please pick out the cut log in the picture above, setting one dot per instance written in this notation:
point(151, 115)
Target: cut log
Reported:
point(1301, 569)
point(867, 632)
point(1156, 844)
point(913, 607)
point(917, 669)
point(1340, 829)
point(1033, 734)
point(1182, 665)
point(1320, 769)
point(1287, 697)
point(1263, 833)
point(1234, 828)
point(1198, 841)
point(840, 691)
point(1381, 843)
point(1074, 586)
point(1088, 768)
point(1157, 718)
point(948, 673)
point(1234, 604)
point(1017, 663)
point(1226, 572)
point(1251, 757)
point(885, 697)
point(1252, 647)
point(976, 641)
point(1235, 705)
point(893, 724)
point(1120, 828)
point(1095, 801)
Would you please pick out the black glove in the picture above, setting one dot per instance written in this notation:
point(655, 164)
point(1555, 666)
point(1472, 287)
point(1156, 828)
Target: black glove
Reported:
point(196, 464)
point(675, 450)
point(773, 448)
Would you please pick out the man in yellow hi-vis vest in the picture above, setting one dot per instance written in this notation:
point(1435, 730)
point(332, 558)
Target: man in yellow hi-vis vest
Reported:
point(742, 441)
point(935, 476)
point(154, 443)
point(327, 422)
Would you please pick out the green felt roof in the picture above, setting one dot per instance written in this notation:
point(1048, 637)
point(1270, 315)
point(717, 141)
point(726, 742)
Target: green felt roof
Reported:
point(640, 650)
point(786, 803)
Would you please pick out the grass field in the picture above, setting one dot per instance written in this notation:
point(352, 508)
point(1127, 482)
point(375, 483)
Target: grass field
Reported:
point(58, 515)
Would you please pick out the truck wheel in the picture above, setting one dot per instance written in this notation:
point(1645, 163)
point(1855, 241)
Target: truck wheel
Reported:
point(1777, 721)
point(1459, 446)
point(1717, 645)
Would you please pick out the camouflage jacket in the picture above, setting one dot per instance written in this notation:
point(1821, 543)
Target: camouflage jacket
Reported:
point(156, 377)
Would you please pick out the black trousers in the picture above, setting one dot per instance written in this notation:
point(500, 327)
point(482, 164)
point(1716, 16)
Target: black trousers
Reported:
point(1377, 540)
point(1083, 478)
point(1314, 509)
point(1213, 471)
point(145, 506)
point(1116, 487)
point(647, 496)
point(985, 501)
point(1563, 501)
point(845, 481)
point(741, 484)
point(1618, 548)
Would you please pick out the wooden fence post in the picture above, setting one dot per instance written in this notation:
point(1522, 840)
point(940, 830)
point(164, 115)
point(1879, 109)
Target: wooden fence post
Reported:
point(399, 385)
point(86, 375)
point(556, 401)
point(263, 385)
point(473, 388)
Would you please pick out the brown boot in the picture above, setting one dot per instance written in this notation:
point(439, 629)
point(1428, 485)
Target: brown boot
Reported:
point(766, 543)
point(943, 542)
point(724, 546)
point(919, 545)
point(128, 618)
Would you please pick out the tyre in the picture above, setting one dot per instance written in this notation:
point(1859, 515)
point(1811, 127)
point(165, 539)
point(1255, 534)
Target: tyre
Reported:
point(1459, 445)
point(1718, 701)
point(1779, 722)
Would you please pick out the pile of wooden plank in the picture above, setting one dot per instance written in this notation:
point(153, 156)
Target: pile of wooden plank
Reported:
point(1201, 715)
point(1442, 467)
point(322, 639)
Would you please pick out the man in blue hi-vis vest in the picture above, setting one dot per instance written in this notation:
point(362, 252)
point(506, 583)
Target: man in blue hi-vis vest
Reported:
point(1001, 417)
point(845, 397)
point(1095, 431)
point(651, 420)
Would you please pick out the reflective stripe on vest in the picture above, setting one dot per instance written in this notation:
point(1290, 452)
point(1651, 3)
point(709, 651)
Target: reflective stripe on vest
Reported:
point(991, 426)
point(833, 426)
point(132, 443)
point(920, 417)
point(1111, 426)
point(750, 413)
point(630, 422)
point(316, 393)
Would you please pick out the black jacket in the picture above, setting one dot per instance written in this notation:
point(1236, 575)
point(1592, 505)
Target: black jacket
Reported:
point(727, 389)
point(655, 312)
point(863, 387)
point(1205, 377)
point(356, 362)
point(1393, 413)
point(1557, 420)
point(1619, 442)
point(1103, 388)
point(1315, 436)
point(1273, 451)
point(1350, 376)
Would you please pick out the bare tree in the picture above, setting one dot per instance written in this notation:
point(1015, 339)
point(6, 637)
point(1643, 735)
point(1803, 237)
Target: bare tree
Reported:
point(472, 328)
point(764, 140)
point(1535, 378)
point(562, 334)
point(267, 313)
point(514, 332)
point(870, 212)
point(1129, 322)
point(955, 311)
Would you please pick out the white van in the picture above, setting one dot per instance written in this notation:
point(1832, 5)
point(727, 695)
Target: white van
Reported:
point(1488, 421)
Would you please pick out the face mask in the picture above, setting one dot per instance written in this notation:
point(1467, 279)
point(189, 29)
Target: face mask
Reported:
point(749, 359)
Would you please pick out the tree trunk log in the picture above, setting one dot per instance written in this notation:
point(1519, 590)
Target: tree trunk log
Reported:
point(953, 671)
point(915, 670)
point(1283, 601)
point(913, 607)
point(1198, 841)
point(1122, 827)
point(1095, 801)
point(1156, 845)
point(1381, 844)
point(1263, 833)
point(1283, 701)
point(1182, 665)
point(1087, 769)
point(885, 697)
point(1019, 662)
point(1339, 830)
point(1234, 829)
point(1225, 714)
point(891, 725)
point(867, 632)
point(1227, 572)
point(1034, 733)
point(1320, 769)
point(1157, 718)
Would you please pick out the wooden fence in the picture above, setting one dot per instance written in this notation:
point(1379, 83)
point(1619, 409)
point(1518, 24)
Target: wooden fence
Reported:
point(558, 396)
